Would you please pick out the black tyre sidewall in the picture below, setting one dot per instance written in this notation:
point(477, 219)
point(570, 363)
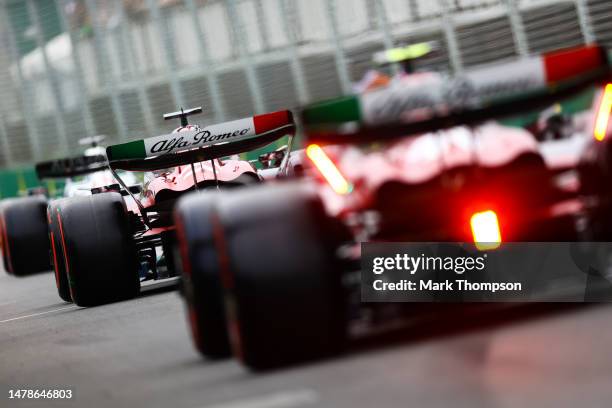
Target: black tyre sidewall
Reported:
point(26, 235)
point(284, 299)
point(5, 253)
point(57, 253)
point(194, 218)
point(99, 249)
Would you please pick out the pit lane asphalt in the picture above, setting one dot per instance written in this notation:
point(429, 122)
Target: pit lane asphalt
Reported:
point(138, 353)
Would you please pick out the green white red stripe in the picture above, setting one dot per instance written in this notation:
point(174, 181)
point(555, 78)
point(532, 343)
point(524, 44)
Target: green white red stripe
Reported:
point(227, 132)
point(435, 95)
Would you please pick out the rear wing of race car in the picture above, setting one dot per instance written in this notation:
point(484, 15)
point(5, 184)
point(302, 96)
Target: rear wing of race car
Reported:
point(211, 142)
point(71, 167)
point(438, 102)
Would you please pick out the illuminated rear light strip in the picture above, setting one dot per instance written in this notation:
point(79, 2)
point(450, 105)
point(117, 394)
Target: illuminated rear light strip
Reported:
point(603, 114)
point(328, 169)
point(485, 230)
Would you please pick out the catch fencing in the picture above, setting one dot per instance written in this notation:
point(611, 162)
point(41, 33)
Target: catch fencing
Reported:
point(76, 68)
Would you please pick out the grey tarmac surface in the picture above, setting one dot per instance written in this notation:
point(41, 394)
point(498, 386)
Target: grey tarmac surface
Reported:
point(138, 353)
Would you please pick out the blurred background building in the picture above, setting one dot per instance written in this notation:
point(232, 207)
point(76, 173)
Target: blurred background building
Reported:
point(75, 68)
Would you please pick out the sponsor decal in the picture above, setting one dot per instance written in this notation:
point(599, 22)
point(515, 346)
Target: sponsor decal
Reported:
point(226, 132)
point(437, 95)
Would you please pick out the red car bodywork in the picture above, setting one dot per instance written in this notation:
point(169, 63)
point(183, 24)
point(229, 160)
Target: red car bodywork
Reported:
point(160, 193)
point(181, 179)
point(431, 185)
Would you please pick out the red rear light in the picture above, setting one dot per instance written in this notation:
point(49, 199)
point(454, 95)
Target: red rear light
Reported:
point(485, 230)
point(603, 114)
point(328, 169)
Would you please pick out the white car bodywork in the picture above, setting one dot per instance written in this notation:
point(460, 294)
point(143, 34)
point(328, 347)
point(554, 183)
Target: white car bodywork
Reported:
point(83, 185)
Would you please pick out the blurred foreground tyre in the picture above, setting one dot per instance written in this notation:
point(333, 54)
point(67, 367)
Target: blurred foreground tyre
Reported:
point(284, 296)
point(195, 218)
point(25, 237)
point(98, 249)
point(57, 253)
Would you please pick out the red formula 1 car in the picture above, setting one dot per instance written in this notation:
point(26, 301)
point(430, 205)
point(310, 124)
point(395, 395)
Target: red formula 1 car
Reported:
point(431, 167)
point(106, 245)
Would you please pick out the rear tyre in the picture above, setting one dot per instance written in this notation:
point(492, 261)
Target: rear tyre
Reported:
point(284, 296)
point(98, 248)
point(3, 241)
point(25, 240)
point(195, 219)
point(57, 253)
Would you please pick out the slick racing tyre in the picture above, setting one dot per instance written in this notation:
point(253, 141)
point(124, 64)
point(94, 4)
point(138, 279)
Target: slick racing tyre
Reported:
point(284, 296)
point(195, 219)
point(5, 254)
point(25, 237)
point(98, 249)
point(57, 253)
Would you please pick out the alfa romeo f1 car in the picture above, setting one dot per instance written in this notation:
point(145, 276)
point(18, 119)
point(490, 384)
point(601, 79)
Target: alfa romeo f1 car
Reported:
point(25, 238)
point(106, 245)
point(432, 167)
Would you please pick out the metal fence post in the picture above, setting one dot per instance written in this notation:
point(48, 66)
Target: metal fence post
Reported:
point(104, 71)
point(297, 70)
point(413, 6)
point(372, 14)
point(4, 141)
point(78, 68)
point(247, 63)
point(168, 46)
point(341, 64)
point(26, 96)
point(518, 30)
point(122, 42)
point(137, 78)
point(51, 76)
point(211, 74)
point(383, 23)
point(261, 16)
point(451, 37)
point(585, 21)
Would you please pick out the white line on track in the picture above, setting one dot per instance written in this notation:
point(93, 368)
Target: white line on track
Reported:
point(287, 399)
point(37, 314)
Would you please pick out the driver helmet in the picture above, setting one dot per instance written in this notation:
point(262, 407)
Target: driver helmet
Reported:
point(162, 172)
point(187, 128)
